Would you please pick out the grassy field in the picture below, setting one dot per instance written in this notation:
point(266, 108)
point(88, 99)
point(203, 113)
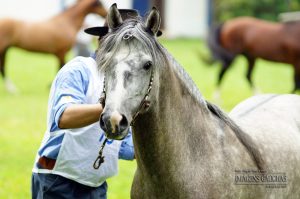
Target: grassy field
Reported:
point(23, 116)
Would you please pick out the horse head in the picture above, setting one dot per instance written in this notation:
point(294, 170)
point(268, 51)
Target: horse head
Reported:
point(95, 6)
point(129, 61)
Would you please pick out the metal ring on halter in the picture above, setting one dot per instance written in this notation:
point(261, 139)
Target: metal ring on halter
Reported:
point(127, 36)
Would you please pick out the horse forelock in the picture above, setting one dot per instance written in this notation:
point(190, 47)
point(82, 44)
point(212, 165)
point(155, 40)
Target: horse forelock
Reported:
point(111, 43)
point(131, 29)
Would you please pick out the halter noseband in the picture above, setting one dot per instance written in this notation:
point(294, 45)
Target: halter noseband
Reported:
point(145, 103)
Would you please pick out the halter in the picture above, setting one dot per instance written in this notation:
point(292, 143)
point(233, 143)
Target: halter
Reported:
point(145, 103)
point(100, 159)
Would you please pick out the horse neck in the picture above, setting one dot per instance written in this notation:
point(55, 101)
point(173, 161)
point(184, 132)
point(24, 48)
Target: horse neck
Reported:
point(167, 136)
point(76, 14)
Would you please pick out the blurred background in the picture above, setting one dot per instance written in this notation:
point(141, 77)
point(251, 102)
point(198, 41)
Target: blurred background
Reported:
point(185, 26)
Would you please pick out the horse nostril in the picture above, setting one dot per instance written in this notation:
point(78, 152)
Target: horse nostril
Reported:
point(114, 123)
point(102, 123)
point(123, 123)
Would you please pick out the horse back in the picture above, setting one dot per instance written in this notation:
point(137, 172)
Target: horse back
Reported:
point(272, 120)
point(45, 36)
point(238, 33)
point(259, 38)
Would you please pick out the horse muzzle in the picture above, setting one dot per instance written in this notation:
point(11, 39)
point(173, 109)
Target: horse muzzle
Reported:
point(115, 125)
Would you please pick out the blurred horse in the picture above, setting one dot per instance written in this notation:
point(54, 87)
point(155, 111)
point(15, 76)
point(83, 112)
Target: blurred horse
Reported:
point(254, 38)
point(55, 35)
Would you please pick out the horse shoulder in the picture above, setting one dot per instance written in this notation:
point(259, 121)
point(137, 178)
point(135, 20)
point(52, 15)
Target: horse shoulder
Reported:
point(232, 35)
point(8, 26)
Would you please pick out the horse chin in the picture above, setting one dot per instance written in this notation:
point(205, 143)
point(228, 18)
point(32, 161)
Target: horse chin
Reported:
point(117, 135)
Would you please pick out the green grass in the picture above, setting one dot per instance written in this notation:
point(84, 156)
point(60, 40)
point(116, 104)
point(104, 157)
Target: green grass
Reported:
point(23, 116)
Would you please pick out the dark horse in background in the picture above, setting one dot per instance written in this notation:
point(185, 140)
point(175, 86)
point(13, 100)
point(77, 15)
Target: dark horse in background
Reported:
point(54, 36)
point(254, 38)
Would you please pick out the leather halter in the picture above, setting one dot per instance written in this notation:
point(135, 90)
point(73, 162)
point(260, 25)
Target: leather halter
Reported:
point(145, 103)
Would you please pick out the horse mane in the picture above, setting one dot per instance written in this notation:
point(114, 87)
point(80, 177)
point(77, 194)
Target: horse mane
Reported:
point(243, 137)
point(185, 77)
point(111, 43)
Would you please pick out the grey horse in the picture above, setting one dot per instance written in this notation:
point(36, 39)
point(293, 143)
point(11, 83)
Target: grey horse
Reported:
point(186, 147)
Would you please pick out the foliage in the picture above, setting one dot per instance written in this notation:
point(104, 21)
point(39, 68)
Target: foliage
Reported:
point(265, 9)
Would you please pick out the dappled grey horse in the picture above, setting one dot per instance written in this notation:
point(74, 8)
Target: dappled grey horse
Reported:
point(186, 147)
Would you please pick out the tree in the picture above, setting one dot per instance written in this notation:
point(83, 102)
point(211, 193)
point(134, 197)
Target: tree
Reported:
point(264, 9)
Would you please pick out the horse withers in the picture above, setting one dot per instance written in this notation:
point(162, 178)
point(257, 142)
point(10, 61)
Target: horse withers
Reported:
point(254, 38)
point(186, 147)
point(54, 36)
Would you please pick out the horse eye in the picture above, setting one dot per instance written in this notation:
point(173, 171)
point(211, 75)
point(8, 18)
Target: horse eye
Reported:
point(147, 65)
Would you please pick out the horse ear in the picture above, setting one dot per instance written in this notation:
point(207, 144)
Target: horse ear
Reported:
point(153, 21)
point(114, 18)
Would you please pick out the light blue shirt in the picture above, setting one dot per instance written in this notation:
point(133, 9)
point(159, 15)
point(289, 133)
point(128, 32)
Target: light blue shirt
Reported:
point(70, 87)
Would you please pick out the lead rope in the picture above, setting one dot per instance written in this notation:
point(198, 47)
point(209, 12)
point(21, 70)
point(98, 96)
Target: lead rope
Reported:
point(144, 104)
point(100, 159)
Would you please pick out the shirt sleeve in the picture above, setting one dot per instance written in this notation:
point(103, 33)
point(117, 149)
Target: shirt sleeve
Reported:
point(69, 87)
point(127, 150)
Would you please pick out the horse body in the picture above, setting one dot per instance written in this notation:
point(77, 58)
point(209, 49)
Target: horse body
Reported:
point(254, 39)
point(186, 147)
point(47, 33)
point(242, 36)
point(55, 35)
point(195, 154)
point(195, 160)
point(277, 139)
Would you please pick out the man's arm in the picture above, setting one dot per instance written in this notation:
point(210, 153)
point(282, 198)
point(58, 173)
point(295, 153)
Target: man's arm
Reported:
point(80, 115)
point(127, 150)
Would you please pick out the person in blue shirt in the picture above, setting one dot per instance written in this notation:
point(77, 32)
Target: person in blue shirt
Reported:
point(63, 166)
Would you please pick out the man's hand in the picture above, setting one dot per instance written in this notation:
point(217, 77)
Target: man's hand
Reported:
point(80, 115)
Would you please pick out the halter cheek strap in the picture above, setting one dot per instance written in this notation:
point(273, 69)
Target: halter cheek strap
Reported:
point(100, 158)
point(145, 103)
point(103, 95)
